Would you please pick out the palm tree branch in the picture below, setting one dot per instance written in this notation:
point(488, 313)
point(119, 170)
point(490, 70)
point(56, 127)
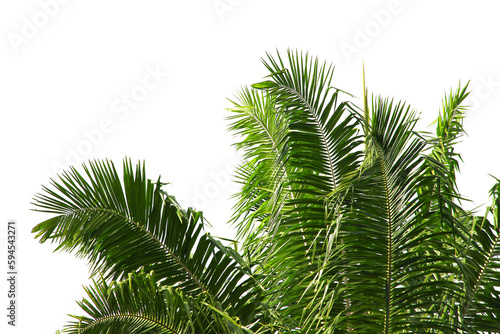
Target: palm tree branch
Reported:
point(145, 231)
point(110, 225)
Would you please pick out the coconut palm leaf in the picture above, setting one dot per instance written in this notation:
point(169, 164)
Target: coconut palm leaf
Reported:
point(322, 134)
point(299, 140)
point(135, 305)
point(319, 143)
point(449, 130)
point(264, 173)
point(121, 227)
point(481, 310)
point(139, 304)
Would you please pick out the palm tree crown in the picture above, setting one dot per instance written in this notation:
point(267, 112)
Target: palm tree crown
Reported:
point(350, 220)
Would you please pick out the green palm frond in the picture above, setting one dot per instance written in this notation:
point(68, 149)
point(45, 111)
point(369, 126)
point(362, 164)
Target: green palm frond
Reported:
point(319, 148)
point(392, 265)
point(449, 130)
point(121, 227)
point(482, 308)
point(300, 140)
point(140, 305)
point(264, 173)
point(135, 305)
point(449, 127)
point(323, 130)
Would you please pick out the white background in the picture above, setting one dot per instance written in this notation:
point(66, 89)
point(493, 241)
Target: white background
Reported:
point(66, 66)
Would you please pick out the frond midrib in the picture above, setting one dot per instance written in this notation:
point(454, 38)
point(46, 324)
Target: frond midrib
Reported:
point(321, 130)
point(380, 158)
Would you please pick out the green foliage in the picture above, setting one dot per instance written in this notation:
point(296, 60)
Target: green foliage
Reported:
point(124, 227)
point(349, 219)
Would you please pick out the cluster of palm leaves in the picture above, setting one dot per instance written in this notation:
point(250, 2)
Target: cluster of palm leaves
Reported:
point(348, 219)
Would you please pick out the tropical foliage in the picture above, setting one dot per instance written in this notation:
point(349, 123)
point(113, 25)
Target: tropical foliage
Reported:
point(349, 220)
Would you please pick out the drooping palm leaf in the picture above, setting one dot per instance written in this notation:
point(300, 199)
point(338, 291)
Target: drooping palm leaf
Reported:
point(297, 167)
point(135, 305)
point(123, 226)
point(140, 305)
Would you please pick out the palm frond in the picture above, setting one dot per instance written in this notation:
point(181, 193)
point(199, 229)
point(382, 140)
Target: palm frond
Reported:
point(449, 130)
point(135, 305)
point(139, 304)
point(122, 227)
point(323, 131)
point(264, 173)
point(291, 172)
point(482, 307)
point(387, 266)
